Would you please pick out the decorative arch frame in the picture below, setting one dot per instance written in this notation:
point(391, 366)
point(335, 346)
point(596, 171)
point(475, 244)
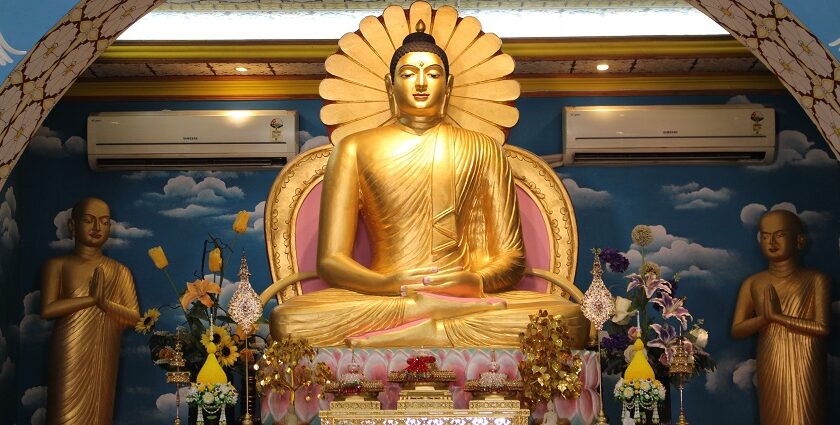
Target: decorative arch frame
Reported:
point(32, 89)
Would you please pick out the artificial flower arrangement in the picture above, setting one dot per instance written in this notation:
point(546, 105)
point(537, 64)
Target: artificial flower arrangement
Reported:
point(654, 303)
point(646, 392)
point(212, 398)
point(209, 329)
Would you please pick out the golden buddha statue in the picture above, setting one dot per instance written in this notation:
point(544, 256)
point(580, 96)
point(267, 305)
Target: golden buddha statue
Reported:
point(788, 306)
point(93, 300)
point(440, 206)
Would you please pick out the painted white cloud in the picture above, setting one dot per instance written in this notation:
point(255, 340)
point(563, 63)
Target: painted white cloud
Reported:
point(33, 329)
point(796, 150)
point(692, 196)
point(256, 221)
point(7, 369)
point(751, 214)
point(740, 100)
point(209, 190)
point(190, 211)
point(145, 175)
point(34, 397)
point(39, 417)
point(121, 232)
point(718, 381)
point(676, 254)
point(165, 404)
point(730, 374)
point(9, 233)
point(307, 141)
point(744, 375)
point(47, 142)
point(584, 197)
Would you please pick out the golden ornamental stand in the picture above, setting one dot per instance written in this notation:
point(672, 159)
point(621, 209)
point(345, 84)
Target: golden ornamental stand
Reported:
point(177, 376)
point(245, 309)
point(682, 366)
point(598, 306)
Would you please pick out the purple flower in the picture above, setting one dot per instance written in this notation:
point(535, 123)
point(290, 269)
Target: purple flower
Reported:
point(650, 282)
point(666, 337)
point(672, 307)
point(615, 260)
point(618, 342)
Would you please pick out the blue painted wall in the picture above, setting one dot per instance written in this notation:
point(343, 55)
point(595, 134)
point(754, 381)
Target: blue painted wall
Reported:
point(822, 17)
point(24, 22)
point(705, 218)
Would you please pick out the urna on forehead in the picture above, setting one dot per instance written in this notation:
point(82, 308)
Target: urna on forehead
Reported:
point(419, 41)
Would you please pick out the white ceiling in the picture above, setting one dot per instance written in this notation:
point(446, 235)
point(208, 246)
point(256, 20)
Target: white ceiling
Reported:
point(330, 19)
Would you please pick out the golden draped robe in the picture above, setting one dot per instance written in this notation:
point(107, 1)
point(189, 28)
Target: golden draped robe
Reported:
point(85, 351)
point(791, 364)
point(446, 199)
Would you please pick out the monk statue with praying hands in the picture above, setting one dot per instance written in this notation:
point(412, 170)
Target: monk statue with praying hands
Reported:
point(788, 307)
point(92, 299)
point(440, 206)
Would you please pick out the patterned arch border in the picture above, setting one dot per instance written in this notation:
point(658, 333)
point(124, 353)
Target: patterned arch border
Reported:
point(33, 88)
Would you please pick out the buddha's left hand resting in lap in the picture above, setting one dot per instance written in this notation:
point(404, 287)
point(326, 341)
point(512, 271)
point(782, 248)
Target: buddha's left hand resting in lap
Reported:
point(441, 210)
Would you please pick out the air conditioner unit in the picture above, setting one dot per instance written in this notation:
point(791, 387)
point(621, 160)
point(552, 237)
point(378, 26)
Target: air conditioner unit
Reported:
point(182, 140)
point(684, 134)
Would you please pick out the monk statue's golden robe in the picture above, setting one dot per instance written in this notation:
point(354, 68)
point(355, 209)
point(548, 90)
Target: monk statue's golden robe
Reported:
point(441, 200)
point(85, 348)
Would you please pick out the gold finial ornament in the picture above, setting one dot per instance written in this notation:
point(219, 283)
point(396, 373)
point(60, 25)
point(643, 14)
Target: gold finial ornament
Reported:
point(598, 306)
point(357, 97)
point(682, 366)
point(245, 309)
point(176, 375)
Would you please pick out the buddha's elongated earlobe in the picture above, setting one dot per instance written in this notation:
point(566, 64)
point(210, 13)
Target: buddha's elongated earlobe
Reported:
point(392, 100)
point(450, 82)
point(71, 226)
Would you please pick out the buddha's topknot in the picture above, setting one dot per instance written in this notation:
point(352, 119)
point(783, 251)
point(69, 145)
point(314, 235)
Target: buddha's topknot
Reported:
point(419, 41)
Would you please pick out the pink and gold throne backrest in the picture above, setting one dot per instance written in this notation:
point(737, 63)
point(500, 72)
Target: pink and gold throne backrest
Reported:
point(292, 211)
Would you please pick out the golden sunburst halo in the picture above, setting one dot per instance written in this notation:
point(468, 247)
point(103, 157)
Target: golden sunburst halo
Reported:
point(482, 94)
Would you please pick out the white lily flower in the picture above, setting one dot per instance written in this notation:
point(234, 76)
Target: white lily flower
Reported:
point(622, 311)
point(701, 337)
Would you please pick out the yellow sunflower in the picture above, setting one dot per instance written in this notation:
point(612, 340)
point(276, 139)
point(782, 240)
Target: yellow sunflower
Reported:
point(147, 322)
point(217, 336)
point(227, 353)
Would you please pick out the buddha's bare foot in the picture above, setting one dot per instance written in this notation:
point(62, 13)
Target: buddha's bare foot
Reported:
point(425, 305)
point(419, 333)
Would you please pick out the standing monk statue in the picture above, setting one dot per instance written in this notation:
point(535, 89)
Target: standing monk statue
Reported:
point(440, 206)
point(788, 306)
point(93, 300)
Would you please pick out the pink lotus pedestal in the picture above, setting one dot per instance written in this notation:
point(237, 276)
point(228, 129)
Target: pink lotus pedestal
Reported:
point(466, 363)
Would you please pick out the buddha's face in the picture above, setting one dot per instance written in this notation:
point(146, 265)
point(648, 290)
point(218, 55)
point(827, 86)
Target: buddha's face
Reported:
point(420, 84)
point(779, 237)
point(92, 224)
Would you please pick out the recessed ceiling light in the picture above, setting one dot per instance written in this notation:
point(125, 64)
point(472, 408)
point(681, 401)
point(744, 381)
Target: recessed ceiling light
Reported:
point(602, 67)
point(241, 69)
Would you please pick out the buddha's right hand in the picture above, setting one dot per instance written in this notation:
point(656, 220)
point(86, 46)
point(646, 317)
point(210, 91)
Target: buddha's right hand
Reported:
point(398, 281)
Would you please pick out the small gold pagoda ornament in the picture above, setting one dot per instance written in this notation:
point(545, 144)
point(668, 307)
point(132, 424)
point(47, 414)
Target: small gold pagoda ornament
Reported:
point(598, 306)
point(493, 384)
point(422, 371)
point(352, 385)
point(177, 376)
point(682, 367)
point(245, 309)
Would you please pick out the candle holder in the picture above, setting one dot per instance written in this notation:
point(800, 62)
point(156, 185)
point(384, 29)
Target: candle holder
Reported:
point(177, 376)
point(682, 367)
